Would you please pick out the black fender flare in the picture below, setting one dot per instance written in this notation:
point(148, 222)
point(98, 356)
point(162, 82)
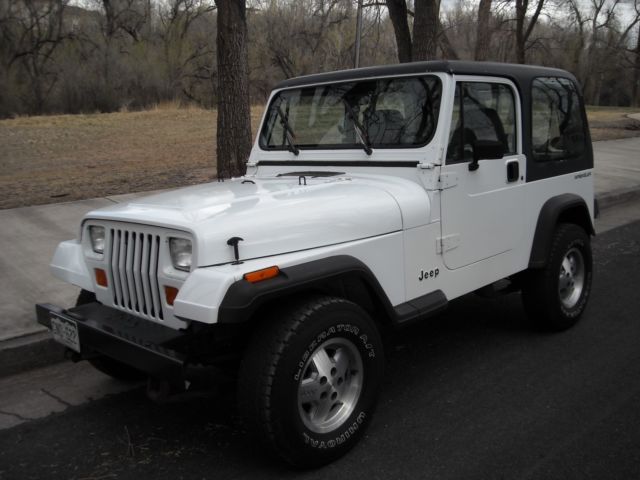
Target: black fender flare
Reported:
point(567, 207)
point(243, 298)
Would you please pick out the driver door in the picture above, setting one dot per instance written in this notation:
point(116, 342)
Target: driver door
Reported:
point(480, 209)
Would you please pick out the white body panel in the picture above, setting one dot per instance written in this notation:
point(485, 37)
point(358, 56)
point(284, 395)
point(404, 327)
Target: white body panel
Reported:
point(273, 215)
point(68, 264)
point(474, 228)
point(199, 300)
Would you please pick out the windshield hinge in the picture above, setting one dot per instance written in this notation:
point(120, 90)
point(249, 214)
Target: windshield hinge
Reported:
point(428, 165)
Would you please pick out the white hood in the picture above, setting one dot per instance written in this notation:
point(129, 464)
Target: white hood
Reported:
point(273, 215)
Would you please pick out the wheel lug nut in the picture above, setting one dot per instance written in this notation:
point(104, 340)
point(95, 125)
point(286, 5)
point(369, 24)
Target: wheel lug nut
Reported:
point(340, 381)
point(334, 395)
point(333, 372)
point(323, 395)
point(323, 380)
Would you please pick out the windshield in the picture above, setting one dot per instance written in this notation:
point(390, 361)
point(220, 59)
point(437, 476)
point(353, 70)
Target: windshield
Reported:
point(382, 113)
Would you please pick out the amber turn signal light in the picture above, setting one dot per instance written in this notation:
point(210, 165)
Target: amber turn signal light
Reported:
point(260, 275)
point(170, 294)
point(101, 277)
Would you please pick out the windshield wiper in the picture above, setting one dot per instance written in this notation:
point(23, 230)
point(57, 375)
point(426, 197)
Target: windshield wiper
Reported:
point(288, 132)
point(362, 136)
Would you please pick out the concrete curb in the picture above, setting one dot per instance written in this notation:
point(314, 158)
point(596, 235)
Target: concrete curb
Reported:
point(28, 352)
point(616, 197)
point(39, 349)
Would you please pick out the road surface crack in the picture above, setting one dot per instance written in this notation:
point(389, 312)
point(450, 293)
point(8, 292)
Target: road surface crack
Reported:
point(15, 415)
point(56, 398)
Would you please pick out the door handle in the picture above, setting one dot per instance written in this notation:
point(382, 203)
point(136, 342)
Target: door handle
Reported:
point(513, 171)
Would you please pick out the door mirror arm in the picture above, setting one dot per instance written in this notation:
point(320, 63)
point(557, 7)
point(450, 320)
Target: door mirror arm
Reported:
point(485, 150)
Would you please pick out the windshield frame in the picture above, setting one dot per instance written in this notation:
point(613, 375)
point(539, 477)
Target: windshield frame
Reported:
point(275, 97)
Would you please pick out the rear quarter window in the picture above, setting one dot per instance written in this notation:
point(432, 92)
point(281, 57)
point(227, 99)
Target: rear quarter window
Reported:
point(558, 127)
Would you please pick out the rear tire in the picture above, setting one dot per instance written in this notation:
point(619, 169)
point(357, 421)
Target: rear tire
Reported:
point(106, 365)
point(556, 296)
point(309, 381)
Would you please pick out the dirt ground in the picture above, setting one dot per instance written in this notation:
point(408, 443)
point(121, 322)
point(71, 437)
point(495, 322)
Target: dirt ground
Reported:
point(610, 123)
point(69, 157)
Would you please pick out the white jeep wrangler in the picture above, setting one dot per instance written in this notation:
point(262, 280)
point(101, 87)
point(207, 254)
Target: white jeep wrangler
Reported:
point(372, 198)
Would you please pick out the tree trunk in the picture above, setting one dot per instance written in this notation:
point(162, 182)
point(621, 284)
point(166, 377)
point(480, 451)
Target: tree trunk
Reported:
point(483, 33)
point(425, 29)
point(234, 116)
point(521, 12)
point(398, 15)
point(523, 33)
point(635, 93)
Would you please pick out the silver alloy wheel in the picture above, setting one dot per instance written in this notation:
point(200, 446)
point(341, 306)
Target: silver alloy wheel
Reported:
point(330, 385)
point(571, 281)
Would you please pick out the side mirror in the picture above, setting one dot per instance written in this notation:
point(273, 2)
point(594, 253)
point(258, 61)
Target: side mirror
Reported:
point(486, 150)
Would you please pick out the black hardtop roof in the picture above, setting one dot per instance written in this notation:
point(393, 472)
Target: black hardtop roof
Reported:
point(516, 72)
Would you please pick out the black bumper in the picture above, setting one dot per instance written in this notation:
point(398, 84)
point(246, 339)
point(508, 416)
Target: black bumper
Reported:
point(139, 343)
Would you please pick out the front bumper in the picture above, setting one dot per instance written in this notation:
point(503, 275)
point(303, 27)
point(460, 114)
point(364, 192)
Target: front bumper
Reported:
point(141, 344)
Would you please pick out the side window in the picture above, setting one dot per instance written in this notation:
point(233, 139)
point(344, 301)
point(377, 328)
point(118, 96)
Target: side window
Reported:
point(558, 130)
point(481, 111)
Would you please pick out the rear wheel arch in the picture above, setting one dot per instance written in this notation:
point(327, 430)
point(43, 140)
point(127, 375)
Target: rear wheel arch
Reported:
point(556, 295)
point(565, 208)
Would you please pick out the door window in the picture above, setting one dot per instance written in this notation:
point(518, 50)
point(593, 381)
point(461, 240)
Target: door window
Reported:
point(481, 111)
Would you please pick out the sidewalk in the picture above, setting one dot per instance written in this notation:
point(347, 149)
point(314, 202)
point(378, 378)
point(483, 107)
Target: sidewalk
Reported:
point(617, 170)
point(30, 235)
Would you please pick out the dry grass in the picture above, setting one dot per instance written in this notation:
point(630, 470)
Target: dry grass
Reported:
point(609, 123)
point(69, 157)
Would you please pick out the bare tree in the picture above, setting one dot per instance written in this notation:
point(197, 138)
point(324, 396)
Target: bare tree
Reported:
point(399, 15)
point(428, 33)
point(635, 88)
point(483, 32)
point(186, 54)
point(426, 29)
point(524, 28)
point(33, 31)
point(234, 117)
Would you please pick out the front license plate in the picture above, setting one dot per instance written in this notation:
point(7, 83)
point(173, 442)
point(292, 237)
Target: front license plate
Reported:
point(65, 332)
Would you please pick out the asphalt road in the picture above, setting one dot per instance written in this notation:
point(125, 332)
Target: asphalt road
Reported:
point(476, 393)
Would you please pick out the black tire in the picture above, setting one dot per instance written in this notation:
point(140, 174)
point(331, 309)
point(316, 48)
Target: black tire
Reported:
point(555, 297)
point(106, 365)
point(282, 358)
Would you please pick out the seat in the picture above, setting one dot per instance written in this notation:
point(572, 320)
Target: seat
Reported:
point(384, 127)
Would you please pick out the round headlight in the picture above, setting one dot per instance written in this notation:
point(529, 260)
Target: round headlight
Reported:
point(97, 238)
point(180, 250)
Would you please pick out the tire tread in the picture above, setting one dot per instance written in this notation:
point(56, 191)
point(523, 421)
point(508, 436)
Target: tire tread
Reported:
point(539, 295)
point(263, 354)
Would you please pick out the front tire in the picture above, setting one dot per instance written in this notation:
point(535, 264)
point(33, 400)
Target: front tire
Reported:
point(309, 382)
point(556, 296)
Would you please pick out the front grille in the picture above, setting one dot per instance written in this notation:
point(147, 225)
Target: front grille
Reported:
point(133, 267)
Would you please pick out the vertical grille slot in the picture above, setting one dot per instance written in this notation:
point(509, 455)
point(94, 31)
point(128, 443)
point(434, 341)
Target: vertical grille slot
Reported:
point(133, 267)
